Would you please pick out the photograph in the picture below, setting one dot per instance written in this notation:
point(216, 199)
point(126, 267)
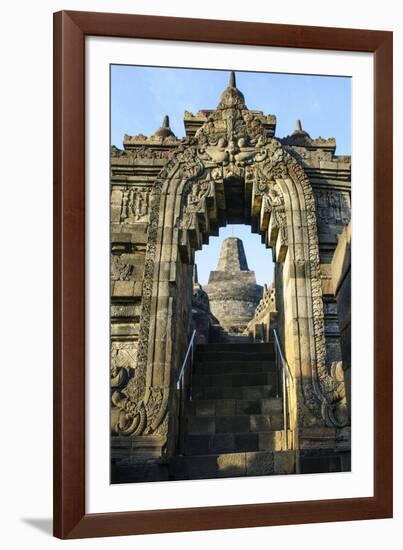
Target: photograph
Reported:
point(230, 273)
point(204, 369)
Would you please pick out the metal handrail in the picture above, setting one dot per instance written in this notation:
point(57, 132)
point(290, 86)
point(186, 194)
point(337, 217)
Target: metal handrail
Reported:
point(184, 364)
point(286, 373)
point(179, 387)
point(283, 359)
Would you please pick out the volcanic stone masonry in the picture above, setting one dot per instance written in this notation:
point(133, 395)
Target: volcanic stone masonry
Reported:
point(168, 196)
point(232, 290)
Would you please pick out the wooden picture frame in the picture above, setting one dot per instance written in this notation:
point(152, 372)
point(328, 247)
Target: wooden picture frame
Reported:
point(70, 517)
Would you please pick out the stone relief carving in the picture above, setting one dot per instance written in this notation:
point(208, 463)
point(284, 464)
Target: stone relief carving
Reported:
point(273, 204)
point(141, 152)
point(319, 393)
point(143, 410)
point(337, 413)
point(120, 270)
point(332, 207)
point(279, 216)
point(323, 390)
point(119, 374)
point(122, 370)
point(193, 202)
point(232, 141)
point(322, 394)
point(231, 125)
point(141, 138)
point(116, 152)
point(135, 203)
point(144, 152)
point(267, 302)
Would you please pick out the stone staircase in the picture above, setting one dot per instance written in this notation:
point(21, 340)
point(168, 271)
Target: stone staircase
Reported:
point(233, 426)
point(219, 335)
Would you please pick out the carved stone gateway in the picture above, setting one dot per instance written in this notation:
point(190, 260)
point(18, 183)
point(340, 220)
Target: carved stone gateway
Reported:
point(168, 197)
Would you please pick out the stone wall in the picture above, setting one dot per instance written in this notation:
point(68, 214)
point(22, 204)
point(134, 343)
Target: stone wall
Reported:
point(265, 319)
point(341, 278)
point(167, 197)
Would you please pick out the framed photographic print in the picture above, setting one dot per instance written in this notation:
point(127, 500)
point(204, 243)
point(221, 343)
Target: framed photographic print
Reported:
point(218, 362)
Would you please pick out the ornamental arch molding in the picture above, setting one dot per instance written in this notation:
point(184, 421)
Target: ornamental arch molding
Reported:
point(187, 204)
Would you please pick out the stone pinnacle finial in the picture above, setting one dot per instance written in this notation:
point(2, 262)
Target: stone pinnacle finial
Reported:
point(232, 80)
point(299, 132)
point(232, 256)
point(195, 275)
point(231, 96)
point(165, 130)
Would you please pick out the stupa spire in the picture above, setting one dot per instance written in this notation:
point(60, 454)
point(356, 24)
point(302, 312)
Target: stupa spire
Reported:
point(232, 290)
point(165, 130)
point(232, 97)
point(195, 275)
point(232, 256)
point(299, 131)
point(232, 80)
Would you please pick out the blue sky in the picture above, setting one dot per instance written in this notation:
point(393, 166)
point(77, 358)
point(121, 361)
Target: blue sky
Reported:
point(141, 96)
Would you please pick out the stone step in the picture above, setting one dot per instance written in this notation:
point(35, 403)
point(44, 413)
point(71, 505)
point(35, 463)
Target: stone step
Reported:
point(249, 348)
point(134, 473)
point(233, 367)
point(234, 379)
point(234, 338)
point(232, 465)
point(242, 356)
point(206, 444)
point(218, 335)
point(233, 423)
point(222, 407)
point(235, 392)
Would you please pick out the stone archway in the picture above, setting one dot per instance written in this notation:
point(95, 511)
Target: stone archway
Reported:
point(187, 204)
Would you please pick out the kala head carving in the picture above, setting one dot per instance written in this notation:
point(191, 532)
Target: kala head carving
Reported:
point(232, 121)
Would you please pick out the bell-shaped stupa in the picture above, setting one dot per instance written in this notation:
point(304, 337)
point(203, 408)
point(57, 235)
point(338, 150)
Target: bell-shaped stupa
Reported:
point(232, 290)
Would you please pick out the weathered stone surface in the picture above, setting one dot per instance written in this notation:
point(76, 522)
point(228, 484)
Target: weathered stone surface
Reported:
point(167, 197)
point(259, 464)
point(271, 441)
point(229, 465)
point(285, 462)
point(265, 318)
point(341, 276)
point(232, 289)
